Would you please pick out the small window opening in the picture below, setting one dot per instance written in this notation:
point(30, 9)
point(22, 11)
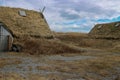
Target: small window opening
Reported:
point(99, 27)
point(117, 25)
point(22, 13)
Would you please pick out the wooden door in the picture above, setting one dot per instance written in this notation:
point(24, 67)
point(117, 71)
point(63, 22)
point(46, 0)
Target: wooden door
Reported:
point(3, 40)
point(3, 43)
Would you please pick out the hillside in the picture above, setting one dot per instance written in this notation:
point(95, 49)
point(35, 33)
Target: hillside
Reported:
point(83, 40)
point(106, 30)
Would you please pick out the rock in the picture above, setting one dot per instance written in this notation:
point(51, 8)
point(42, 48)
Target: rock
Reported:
point(16, 48)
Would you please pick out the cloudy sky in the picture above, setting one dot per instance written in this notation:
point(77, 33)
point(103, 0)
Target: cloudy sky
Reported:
point(72, 15)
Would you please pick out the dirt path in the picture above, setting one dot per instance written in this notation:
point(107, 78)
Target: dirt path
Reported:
point(38, 65)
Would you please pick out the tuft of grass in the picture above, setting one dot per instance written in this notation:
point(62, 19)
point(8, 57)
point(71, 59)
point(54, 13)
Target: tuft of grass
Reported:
point(9, 61)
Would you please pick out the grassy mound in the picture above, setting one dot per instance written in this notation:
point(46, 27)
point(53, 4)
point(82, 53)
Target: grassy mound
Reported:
point(44, 46)
point(83, 40)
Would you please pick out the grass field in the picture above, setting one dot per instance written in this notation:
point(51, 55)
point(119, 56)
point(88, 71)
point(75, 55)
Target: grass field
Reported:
point(84, 40)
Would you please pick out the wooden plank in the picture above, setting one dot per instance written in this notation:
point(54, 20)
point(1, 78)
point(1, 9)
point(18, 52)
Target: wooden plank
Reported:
point(9, 42)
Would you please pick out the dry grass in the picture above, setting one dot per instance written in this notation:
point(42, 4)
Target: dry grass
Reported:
point(116, 47)
point(14, 76)
point(8, 61)
point(83, 40)
point(102, 66)
point(71, 36)
point(43, 46)
point(10, 76)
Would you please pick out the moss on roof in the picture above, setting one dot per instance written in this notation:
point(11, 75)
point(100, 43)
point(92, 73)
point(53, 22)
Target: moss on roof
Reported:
point(33, 24)
point(106, 30)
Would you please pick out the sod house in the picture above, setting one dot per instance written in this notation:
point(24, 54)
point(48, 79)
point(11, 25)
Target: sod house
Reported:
point(106, 31)
point(17, 23)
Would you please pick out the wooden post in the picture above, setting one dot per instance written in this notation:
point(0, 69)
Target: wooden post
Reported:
point(9, 42)
point(43, 9)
